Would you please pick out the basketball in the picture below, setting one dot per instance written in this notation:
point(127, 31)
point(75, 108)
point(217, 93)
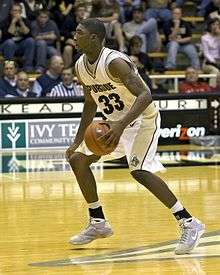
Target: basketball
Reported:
point(94, 131)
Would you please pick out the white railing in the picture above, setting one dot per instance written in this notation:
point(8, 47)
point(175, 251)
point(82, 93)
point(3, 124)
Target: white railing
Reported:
point(177, 77)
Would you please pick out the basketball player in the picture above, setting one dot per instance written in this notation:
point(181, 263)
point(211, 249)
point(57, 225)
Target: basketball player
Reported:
point(112, 83)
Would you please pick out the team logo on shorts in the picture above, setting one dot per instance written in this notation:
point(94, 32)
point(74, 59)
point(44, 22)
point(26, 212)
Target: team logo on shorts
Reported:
point(134, 161)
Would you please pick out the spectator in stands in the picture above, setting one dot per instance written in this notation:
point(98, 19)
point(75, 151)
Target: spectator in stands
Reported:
point(159, 10)
point(86, 3)
point(211, 49)
point(202, 8)
point(147, 30)
point(191, 83)
point(108, 12)
point(70, 54)
point(45, 83)
point(5, 7)
point(32, 8)
point(61, 10)
point(16, 38)
point(8, 81)
point(67, 88)
point(46, 34)
point(178, 38)
point(213, 9)
point(134, 49)
point(126, 8)
point(22, 87)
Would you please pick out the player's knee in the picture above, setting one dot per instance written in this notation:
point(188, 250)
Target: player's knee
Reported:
point(142, 176)
point(77, 160)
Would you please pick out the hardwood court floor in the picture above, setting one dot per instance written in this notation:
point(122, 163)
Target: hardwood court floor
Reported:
point(40, 211)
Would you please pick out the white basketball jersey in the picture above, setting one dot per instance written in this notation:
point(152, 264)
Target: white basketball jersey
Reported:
point(110, 95)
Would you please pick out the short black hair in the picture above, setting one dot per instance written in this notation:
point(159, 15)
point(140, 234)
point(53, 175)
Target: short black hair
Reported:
point(95, 26)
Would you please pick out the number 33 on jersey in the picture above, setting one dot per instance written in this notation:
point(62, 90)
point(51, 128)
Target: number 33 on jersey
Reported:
point(110, 95)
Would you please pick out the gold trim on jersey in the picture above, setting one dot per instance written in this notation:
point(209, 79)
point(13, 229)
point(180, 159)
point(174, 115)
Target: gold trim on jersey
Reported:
point(93, 75)
point(77, 73)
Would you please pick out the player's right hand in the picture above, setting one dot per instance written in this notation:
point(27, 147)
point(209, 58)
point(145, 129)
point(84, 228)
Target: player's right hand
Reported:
point(71, 150)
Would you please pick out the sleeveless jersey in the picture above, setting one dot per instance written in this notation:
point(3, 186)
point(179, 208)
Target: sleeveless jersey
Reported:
point(110, 95)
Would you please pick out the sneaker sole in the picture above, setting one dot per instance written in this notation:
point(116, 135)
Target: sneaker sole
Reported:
point(200, 233)
point(89, 241)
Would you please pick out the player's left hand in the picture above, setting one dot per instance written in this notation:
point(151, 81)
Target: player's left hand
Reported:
point(111, 138)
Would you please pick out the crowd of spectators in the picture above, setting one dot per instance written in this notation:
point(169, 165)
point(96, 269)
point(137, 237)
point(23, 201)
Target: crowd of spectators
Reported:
point(37, 36)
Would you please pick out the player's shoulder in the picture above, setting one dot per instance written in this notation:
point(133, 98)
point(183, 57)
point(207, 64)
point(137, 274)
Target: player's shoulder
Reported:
point(79, 60)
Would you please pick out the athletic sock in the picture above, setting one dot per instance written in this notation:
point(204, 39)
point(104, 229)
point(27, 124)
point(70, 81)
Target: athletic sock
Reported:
point(180, 212)
point(95, 210)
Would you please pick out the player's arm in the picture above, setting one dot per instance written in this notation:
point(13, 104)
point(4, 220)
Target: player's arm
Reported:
point(125, 72)
point(89, 111)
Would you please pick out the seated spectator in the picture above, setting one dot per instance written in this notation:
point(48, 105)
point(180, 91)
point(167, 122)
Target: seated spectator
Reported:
point(108, 12)
point(16, 38)
point(159, 10)
point(178, 38)
point(147, 30)
point(5, 7)
point(70, 54)
point(46, 34)
point(67, 88)
point(44, 84)
point(191, 83)
point(211, 49)
point(32, 8)
point(126, 8)
point(8, 81)
point(61, 10)
point(213, 10)
point(203, 7)
point(86, 3)
point(134, 49)
point(22, 87)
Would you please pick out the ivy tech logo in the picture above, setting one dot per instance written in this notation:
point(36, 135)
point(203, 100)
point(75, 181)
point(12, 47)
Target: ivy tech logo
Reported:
point(13, 135)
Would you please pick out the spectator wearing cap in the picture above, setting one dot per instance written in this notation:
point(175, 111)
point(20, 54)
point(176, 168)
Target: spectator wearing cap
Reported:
point(8, 80)
point(147, 30)
point(22, 87)
point(191, 84)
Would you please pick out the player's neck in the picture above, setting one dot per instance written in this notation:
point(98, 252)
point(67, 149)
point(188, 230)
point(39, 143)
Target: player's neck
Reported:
point(93, 55)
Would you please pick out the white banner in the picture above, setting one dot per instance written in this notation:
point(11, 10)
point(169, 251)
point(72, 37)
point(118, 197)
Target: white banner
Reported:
point(77, 107)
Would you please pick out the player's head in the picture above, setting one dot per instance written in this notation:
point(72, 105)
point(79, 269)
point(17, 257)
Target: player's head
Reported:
point(89, 34)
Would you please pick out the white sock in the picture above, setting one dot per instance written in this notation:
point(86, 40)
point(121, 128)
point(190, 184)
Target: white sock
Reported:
point(94, 205)
point(177, 207)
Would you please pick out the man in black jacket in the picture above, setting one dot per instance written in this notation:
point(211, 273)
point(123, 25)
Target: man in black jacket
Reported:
point(178, 37)
point(16, 38)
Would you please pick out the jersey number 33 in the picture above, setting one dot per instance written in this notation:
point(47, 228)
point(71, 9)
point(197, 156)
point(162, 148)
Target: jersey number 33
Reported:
point(111, 102)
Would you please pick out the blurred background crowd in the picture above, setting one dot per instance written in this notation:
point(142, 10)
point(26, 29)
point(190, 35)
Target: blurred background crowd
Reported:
point(37, 50)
